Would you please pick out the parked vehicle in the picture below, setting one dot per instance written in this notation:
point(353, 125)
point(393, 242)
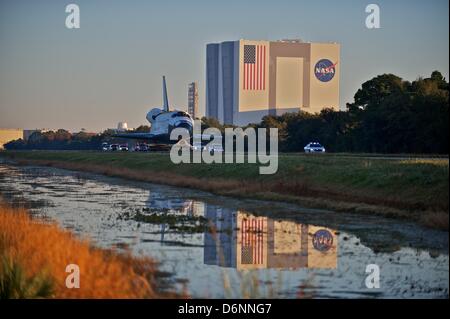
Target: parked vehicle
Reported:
point(212, 147)
point(314, 147)
point(105, 147)
point(114, 147)
point(123, 147)
point(141, 147)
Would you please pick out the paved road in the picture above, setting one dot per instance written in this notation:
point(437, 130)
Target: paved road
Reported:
point(376, 156)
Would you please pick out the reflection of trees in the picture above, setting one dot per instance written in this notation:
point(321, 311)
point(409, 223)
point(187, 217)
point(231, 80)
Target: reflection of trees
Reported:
point(179, 206)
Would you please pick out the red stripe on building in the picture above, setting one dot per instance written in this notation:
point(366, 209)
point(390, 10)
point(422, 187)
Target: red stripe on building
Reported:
point(242, 232)
point(261, 234)
point(264, 68)
point(253, 75)
point(261, 248)
point(257, 242)
point(262, 241)
point(256, 68)
point(243, 79)
point(248, 76)
point(254, 241)
point(260, 67)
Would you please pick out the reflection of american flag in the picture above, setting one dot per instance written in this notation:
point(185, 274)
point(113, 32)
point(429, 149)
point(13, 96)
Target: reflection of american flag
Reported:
point(254, 67)
point(252, 248)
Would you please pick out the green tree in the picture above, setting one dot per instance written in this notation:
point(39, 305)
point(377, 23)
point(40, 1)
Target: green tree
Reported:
point(374, 91)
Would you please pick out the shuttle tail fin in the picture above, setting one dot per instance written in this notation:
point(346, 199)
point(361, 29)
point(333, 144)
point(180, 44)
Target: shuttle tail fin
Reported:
point(166, 100)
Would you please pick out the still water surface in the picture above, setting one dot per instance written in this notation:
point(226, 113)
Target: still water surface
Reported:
point(256, 248)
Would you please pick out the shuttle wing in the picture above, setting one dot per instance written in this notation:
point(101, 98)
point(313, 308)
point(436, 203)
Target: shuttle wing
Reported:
point(137, 136)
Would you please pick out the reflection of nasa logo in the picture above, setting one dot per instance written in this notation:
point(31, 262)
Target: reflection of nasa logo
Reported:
point(322, 240)
point(325, 70)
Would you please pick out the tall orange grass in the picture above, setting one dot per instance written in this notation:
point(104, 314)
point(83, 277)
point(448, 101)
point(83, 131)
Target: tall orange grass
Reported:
point(44, 248)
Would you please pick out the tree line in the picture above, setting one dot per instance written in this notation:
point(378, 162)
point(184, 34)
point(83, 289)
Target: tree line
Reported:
point(388, 115)
point(64, 140)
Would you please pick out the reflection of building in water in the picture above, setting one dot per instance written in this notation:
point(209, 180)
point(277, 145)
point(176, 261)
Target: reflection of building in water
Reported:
point(245, 241)
point(219, 245)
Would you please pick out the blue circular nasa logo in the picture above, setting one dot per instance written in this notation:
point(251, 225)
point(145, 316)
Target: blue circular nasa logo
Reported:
point(325, 70)
point(322, 240)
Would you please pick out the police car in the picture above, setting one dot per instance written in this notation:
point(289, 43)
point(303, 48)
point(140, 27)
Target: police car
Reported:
point(314, 147)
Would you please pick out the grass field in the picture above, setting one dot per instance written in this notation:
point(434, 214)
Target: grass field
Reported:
point(402, 187)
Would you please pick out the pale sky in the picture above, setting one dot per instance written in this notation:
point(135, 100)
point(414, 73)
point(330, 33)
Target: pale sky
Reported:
point(110, 69)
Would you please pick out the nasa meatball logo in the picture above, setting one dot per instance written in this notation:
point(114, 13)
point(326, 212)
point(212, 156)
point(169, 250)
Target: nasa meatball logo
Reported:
point(322, 240)
point(325, 70)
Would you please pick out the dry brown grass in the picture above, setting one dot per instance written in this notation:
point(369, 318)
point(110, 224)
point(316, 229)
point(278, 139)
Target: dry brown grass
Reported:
point(40, 247)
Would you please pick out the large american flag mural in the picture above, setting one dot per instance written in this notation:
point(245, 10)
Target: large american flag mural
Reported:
point(254, 67)
point(252, 243)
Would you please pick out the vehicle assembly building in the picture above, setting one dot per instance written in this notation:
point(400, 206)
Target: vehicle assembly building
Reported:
point(246, 80)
